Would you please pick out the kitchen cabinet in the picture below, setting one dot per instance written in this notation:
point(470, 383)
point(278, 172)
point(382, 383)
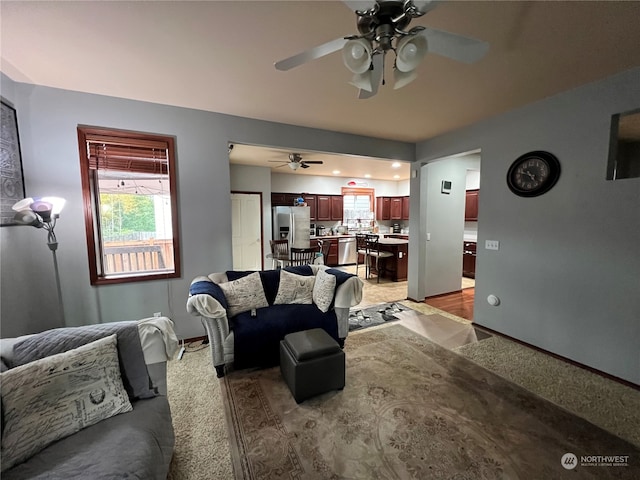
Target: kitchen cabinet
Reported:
point(392, 208)
point(323, 208)
point(471, 206)
point(396, 208)
point(283, 199)
point(405, 208)
point(312, 204)
point(332, 258)
point(469, 259)
point(383, 208)
point(337, 207)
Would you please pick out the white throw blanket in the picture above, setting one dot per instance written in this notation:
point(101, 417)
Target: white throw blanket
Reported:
point(149, 330)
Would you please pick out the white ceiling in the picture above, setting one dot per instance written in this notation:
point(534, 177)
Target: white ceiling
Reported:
point(218, 56)
point(347, 166)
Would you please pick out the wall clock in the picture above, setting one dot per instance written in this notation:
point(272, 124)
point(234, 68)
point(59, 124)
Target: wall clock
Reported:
point(533, 173)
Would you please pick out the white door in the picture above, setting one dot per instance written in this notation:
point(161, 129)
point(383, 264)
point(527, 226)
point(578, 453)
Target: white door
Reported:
point(246, 233)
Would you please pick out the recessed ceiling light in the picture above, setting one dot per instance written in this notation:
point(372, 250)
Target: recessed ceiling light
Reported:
point(396, 176)
point(396, 165)
point(336, 172)
point(367, 176)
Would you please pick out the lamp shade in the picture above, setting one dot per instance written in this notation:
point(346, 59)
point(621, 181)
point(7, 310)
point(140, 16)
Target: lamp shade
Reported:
point(28, 217)
point(43, 209)
point(57, 204)
point(356, 55)
point(401, 79)
point(364, 81)
point(24, 204)
point(410, 51)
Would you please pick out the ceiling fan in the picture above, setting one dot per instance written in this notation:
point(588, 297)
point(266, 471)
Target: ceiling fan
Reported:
point(382, 25)
point(295, 162)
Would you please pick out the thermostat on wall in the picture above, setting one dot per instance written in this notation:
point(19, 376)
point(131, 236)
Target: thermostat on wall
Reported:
point(446, 187)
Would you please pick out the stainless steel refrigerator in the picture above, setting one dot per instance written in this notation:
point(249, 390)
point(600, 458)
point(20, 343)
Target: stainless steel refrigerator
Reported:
point(292, 223)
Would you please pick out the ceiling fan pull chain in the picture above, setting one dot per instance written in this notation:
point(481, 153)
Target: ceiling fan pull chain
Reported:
point(384, 55)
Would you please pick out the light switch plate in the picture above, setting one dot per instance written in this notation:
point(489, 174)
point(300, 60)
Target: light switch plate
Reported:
point(492, 244)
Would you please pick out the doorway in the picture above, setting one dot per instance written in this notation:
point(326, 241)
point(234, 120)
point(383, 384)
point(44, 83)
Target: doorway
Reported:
point(246, 230)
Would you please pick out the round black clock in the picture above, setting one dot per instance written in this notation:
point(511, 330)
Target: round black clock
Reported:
point(533, 174)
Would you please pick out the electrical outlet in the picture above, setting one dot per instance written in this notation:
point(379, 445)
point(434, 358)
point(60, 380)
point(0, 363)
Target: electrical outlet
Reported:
point(492, 244)
point(157, 314)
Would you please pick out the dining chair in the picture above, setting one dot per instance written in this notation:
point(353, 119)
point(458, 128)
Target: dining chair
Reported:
point(279, 248)
point(373, 251)
point(302, 256)
point(361, 249)
point(324, 246)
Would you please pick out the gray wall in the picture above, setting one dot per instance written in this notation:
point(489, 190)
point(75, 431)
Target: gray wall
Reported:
point(444, 221)
point(245, 178)
point(47, 120)
point(568, 268)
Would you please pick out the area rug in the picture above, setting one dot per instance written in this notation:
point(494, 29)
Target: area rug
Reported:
point(411, 409)
point(360, 318)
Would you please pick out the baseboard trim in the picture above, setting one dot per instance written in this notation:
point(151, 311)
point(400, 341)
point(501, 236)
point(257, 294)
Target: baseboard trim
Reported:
point(560, 357)
point(445, 294)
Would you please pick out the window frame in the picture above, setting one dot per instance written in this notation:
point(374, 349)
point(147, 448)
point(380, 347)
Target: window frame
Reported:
point(90, 204)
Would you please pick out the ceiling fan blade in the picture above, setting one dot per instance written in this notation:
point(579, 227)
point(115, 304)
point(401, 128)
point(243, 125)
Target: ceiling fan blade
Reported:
point(456, 47)
point(425, 6)
point(277, 161)
point(376, 77)
point(304, 165)
point(311, 54)
point(313, 162)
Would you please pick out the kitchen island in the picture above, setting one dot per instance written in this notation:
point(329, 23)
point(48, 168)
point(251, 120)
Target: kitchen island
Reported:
point(396, 266)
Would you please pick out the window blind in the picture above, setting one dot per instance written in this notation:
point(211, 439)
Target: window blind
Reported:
point(126, 154)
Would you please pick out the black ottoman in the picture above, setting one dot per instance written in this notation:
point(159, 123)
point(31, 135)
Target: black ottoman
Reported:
point(311, 362)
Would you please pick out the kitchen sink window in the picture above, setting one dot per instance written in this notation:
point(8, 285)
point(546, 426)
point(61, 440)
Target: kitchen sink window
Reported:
point(358, 212)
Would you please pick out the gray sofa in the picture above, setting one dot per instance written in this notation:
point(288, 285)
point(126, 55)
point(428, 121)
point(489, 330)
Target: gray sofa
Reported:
point(135, 444)
point(229, 336)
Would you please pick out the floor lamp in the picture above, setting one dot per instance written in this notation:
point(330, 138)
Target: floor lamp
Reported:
point(43, 213)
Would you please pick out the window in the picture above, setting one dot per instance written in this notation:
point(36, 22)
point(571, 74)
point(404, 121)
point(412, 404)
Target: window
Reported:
point(358, 207)
point(130, 206)
point(624, 146)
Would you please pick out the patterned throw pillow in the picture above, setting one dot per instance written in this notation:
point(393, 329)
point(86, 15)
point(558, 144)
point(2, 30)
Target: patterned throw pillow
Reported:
point(323, 290)
point(244, 294)
point(59, 395)
point(295, 289)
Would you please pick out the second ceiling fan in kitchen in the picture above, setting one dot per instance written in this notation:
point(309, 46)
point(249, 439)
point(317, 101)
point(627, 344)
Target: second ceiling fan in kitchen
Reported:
point(296, 161)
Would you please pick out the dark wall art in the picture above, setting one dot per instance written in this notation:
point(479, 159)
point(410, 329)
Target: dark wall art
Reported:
point(12, 180)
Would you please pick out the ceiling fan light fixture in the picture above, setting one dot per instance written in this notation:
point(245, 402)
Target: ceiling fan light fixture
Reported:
point(356, 55)
point(402, 79)
point(410, 51)
point(294, 165)
point(364, 81)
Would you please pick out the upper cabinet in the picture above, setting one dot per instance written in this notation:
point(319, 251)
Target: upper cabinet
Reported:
point(383, 208)
point(392, 208)
point(311, 201)
point(405, 208)
point(471, 206)
point(323, 208)
point(396, 208)
point(283, 199)
point(337, 205)
point(329, 208)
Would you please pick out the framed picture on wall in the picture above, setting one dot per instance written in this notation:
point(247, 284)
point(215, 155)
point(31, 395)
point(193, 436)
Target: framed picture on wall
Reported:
point(11, 177)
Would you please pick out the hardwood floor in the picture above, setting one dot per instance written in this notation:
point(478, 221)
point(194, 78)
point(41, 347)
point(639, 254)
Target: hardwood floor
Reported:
point(457, 303)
